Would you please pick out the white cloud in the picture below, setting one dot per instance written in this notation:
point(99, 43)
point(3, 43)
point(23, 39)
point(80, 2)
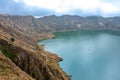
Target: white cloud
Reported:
point(62, 6)
point(16, 0)
point(109, 8)
point(65, 6)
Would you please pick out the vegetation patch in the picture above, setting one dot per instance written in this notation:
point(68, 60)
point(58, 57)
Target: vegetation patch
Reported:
point(7, 53)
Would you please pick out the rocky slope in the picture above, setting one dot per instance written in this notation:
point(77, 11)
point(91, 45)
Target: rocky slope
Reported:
point(67, 22)
point(9, 71)
point(32, 59)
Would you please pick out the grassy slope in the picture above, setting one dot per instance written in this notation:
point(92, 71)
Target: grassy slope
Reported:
point(9, 71)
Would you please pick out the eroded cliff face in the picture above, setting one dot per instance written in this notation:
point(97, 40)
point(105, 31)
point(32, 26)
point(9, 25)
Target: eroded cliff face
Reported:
point(9, 71)
point(34, 60)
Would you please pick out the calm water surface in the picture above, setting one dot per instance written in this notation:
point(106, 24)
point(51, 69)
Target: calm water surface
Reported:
point(88, 55)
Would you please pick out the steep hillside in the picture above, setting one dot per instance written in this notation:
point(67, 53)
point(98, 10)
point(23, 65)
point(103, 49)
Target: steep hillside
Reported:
point(34, 60)
point(24, 25)
point(9, 71)
point(67, 22)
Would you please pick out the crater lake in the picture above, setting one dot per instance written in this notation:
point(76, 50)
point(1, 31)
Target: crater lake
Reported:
point(87, 55)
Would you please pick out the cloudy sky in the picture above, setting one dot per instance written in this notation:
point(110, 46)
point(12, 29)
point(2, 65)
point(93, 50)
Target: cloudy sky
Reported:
point(105, 8)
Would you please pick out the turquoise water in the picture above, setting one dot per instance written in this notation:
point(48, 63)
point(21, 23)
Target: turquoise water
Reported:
point(88, 55)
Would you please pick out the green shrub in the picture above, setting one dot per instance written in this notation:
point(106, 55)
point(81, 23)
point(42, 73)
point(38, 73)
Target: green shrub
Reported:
point(7, 53)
